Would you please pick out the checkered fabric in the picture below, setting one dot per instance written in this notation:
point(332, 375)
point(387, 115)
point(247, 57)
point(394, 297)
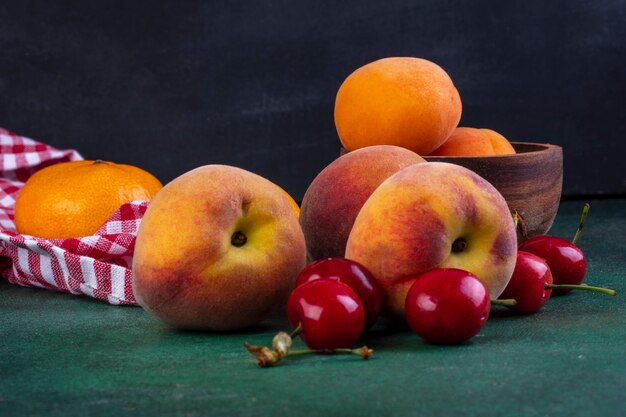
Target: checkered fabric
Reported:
point(98, 266)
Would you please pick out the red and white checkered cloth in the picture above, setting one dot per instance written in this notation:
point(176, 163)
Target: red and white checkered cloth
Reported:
point(98, 266)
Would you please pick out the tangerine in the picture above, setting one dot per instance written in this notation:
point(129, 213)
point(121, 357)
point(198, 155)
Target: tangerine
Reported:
point(402, 101)
point(73, 199)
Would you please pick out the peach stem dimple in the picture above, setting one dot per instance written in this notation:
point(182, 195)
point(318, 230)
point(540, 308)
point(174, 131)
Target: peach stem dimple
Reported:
point(238, 239)
point(459, 245)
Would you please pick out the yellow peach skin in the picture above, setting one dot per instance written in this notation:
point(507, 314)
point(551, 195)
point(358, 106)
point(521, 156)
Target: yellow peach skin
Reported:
point(294, 204)
point(433, 215)
point(218, 249)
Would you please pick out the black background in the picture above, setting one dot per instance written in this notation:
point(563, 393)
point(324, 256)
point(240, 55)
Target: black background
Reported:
point(170, 86)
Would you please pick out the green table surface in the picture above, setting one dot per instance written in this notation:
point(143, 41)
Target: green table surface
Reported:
point(62, 355)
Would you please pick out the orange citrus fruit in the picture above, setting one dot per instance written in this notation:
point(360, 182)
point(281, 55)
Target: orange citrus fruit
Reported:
point(402, 101)
point(74, 199)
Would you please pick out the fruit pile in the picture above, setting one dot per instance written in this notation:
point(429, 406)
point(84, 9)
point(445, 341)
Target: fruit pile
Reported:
point(437, 240)
point(380, 231)
point(336, 300)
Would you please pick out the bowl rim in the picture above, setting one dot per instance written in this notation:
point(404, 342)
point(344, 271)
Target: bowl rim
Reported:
point(540, 148)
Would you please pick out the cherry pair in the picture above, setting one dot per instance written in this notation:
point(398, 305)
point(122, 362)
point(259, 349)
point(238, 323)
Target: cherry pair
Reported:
point(532, 282)
point(546, 265)
point(334, 301)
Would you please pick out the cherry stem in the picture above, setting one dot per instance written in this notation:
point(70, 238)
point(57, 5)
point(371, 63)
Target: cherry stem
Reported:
point(507, 302)
point(583, 217)
point(363, 352)
point(296, 331)
point(281, 348)
point(583, 287)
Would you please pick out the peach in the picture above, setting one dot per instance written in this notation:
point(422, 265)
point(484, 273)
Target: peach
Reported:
point(334, 198)
point(469, 141)
point(433, 215)
point(219, 248)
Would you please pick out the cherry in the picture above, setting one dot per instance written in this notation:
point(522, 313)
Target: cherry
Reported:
point(447, 305)
point(531, 284)
point(528, 283)
point(327, 312)
point(566, 260)
point(352, 273)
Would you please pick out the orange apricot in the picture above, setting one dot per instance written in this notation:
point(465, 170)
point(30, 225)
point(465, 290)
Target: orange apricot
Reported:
point(469, 141)
point(401, 101)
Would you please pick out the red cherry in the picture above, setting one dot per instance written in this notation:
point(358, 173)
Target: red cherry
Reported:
point(352, 273)
point(330, 313)
point(528, 283)
point(447, 305)
point(566, 261)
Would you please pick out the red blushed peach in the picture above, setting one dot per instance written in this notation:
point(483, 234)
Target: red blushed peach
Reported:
point(219, 248)
point(334, 198)
point(434, 215)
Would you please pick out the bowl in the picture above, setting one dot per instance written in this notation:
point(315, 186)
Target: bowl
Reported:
point(530, 180)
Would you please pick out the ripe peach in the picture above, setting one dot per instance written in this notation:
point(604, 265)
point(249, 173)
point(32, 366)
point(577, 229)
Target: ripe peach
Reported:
point(433, 215)
point(334, 198)
point(469, 141)
point(219, 248)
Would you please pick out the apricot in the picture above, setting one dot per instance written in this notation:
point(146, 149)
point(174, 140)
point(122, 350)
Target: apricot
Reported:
point(470, 141)
point(402, 101)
